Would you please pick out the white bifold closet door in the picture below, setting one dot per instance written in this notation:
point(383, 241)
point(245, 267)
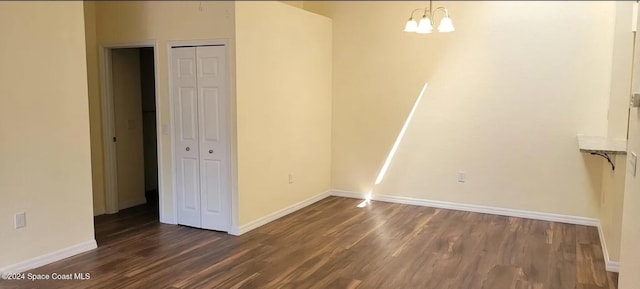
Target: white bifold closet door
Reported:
point(200, 96)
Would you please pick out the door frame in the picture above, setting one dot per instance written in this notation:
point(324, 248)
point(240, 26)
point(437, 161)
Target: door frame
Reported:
point(108, 122)
point(231, 129)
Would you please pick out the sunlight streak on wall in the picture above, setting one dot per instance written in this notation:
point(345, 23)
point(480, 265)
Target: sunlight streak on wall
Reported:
point(383, 171)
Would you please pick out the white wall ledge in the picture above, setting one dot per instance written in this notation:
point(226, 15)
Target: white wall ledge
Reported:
point(602, 144)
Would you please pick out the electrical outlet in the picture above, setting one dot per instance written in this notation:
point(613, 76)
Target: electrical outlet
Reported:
point(20, 220)
point(290, 178)
point(462, 176)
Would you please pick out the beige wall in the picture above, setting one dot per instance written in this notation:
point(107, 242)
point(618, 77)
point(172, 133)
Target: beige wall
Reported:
point(122, 22)
point(508, 92)
point(95, 109)
point(127, 102)
point(284, 106)
point(44, 123)
point(630, 251)
point(613, 181)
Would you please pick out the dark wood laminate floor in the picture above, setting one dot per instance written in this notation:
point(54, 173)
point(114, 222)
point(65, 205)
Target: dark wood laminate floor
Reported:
point(334, 244)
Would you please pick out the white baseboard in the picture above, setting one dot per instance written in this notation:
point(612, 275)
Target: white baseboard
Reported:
point(132, 203)
point(491, 210)
point(347, 194)
point(50, 257)
point(611, 266)
point(474, 208)
point(278, 214)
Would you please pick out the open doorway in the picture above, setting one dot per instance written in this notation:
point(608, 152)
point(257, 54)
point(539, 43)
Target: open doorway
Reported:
point(130, 130)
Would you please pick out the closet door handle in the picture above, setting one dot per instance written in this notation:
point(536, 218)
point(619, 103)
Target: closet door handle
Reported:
point(188, 149)
point(210, 151)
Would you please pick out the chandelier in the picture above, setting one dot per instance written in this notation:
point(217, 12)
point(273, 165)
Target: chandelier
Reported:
point(425, 25)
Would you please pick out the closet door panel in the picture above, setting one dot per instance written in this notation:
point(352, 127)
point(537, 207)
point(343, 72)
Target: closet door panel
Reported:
point(187, 135)
point(213, 131)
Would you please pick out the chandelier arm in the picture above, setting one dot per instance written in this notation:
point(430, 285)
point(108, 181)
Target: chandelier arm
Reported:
point(445, 10)
point(424, 14)
point(413, 12)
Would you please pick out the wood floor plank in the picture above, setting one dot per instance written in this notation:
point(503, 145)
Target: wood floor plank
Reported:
point(335, 244)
